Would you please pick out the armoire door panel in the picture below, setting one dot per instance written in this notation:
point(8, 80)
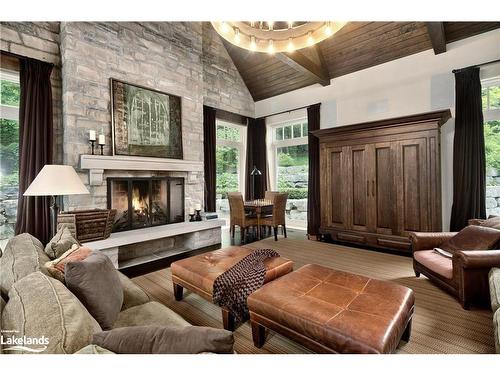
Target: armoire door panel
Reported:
point(335, 188)
point(384, 188)
point(358, 187)
point(413, 186)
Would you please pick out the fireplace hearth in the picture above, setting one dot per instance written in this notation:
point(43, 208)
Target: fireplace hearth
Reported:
point(145, 202)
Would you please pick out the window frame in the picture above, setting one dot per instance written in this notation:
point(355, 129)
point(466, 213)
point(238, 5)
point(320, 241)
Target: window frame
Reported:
point(488, 113)
point(276, 143)
point(239, 145)
point(9, 112)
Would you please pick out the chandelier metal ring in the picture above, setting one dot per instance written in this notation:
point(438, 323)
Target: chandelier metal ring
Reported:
point(274, 37)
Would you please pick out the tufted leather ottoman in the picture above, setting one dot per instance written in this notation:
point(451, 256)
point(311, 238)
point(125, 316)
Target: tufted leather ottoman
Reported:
point(199, 272)
point(331, 311)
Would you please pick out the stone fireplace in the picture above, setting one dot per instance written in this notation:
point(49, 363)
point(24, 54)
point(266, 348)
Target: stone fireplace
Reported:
point(142, 202)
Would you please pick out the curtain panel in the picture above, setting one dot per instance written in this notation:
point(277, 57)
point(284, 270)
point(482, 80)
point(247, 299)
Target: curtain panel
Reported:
point(256, 157)
point(209, 150)
point(313, 199)
point(35, 145)
point(469, 164)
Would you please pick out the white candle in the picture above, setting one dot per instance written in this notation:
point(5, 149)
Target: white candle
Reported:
point(191, 210)
point(197, 207)
point(92, 135)
point(101, 139)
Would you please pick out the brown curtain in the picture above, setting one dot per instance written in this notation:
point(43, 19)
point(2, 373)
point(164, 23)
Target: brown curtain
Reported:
point(469, 165)
point(256, 156)
point(35, 145)
point(209, 149)
point(313, 199)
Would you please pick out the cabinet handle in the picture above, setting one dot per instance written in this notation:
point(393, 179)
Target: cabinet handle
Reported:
point(367, 188)
point(373, 187)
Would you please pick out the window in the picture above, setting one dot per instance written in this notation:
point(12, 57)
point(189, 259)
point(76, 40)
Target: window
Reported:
point(230, 162)
point(491, 113)
point(290, 156)
point(9, 152)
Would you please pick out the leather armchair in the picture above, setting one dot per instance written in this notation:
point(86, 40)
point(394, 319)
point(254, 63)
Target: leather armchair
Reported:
point(464, 276)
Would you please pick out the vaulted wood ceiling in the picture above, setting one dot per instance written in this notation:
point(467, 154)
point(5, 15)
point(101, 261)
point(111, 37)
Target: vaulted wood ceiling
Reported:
point(357, 46)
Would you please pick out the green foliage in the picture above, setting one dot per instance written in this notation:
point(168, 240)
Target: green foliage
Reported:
point(492, 144)
point(10, 93)
point(226, 182)
point(9, 132)
point(295, 193)
point(228, 133)
point(285, 160)
point(9, 152)
point(293, 155)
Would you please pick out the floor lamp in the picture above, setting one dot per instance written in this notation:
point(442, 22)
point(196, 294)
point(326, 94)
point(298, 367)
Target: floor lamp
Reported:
point(255, 172)
point(54, 181)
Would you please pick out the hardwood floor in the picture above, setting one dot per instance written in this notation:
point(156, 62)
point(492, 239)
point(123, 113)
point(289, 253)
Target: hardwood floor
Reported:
point(440, 325)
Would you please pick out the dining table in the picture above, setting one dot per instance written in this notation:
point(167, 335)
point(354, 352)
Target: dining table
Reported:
point(259, 206)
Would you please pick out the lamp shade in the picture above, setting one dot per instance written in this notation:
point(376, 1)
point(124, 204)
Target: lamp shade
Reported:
point(56, 180)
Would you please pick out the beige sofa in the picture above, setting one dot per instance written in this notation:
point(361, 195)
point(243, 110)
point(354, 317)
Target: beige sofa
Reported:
point(494, 281)
point(36, 305)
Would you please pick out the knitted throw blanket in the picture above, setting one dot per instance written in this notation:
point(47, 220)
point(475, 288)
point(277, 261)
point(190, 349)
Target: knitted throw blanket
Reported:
point(232, 287)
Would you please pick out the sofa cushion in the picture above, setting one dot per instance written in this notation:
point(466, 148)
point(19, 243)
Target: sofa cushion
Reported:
point(23, 255)
point(435, 262)
point(93, 349)
point(42, 306)
point(133, 295)
point(96, 283)
point(494, 280)
point(472, 237)
point(151, 313)
point(57, 267)
point(496, 329)
point(60, 243)
point(165, 340)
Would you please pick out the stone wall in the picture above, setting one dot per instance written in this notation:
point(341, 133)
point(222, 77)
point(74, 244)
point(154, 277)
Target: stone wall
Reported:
point(164, 56)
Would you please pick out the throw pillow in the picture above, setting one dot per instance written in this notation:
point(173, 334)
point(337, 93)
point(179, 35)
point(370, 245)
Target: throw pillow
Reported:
point(57, 266)
point(473, 237)
point(165, 340)
point(42, 307)
point(96, 283)
point(23, 255)
point(60, 243)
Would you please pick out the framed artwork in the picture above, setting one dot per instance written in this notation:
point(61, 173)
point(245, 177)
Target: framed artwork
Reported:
point(145, 122)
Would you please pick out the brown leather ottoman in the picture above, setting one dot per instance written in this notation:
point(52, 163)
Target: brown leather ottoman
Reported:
point(331, 311)
point(199, 272)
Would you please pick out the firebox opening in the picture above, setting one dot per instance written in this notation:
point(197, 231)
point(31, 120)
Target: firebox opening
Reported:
point(145, 202)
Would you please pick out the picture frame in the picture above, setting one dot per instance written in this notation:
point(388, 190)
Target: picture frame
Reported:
point(145, 122)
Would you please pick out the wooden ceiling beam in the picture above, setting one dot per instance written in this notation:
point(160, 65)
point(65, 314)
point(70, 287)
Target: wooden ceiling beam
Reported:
point(303, 64)
point(437, 35)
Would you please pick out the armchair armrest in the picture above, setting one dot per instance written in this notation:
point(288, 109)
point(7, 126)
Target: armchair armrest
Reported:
point(476, 221)
point(475, 259)
point(428, 240)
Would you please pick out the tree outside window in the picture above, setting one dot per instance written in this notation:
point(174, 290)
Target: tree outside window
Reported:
point(491, 112)
point(9, 153)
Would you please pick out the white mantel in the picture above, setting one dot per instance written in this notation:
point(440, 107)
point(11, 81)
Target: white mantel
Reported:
point(97, 164)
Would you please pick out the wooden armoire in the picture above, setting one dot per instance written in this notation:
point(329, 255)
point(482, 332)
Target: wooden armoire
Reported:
point(381, 180)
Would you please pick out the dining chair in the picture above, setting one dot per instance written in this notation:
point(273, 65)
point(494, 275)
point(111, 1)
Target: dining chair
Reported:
point(238, 216)
point(278, 215)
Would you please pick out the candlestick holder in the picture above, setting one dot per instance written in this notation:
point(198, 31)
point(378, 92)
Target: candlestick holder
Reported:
point(198, 216)
point(92, 142)
point(102, 149)
point(191, 217)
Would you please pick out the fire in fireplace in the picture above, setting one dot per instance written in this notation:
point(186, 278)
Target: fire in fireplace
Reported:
point(146, 202)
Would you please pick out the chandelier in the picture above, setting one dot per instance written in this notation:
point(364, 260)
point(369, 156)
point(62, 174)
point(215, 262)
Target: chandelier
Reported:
point(271, 37)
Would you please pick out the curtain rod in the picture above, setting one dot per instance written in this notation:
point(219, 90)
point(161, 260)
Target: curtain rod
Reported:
point(290, 110)
point(475, 66)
